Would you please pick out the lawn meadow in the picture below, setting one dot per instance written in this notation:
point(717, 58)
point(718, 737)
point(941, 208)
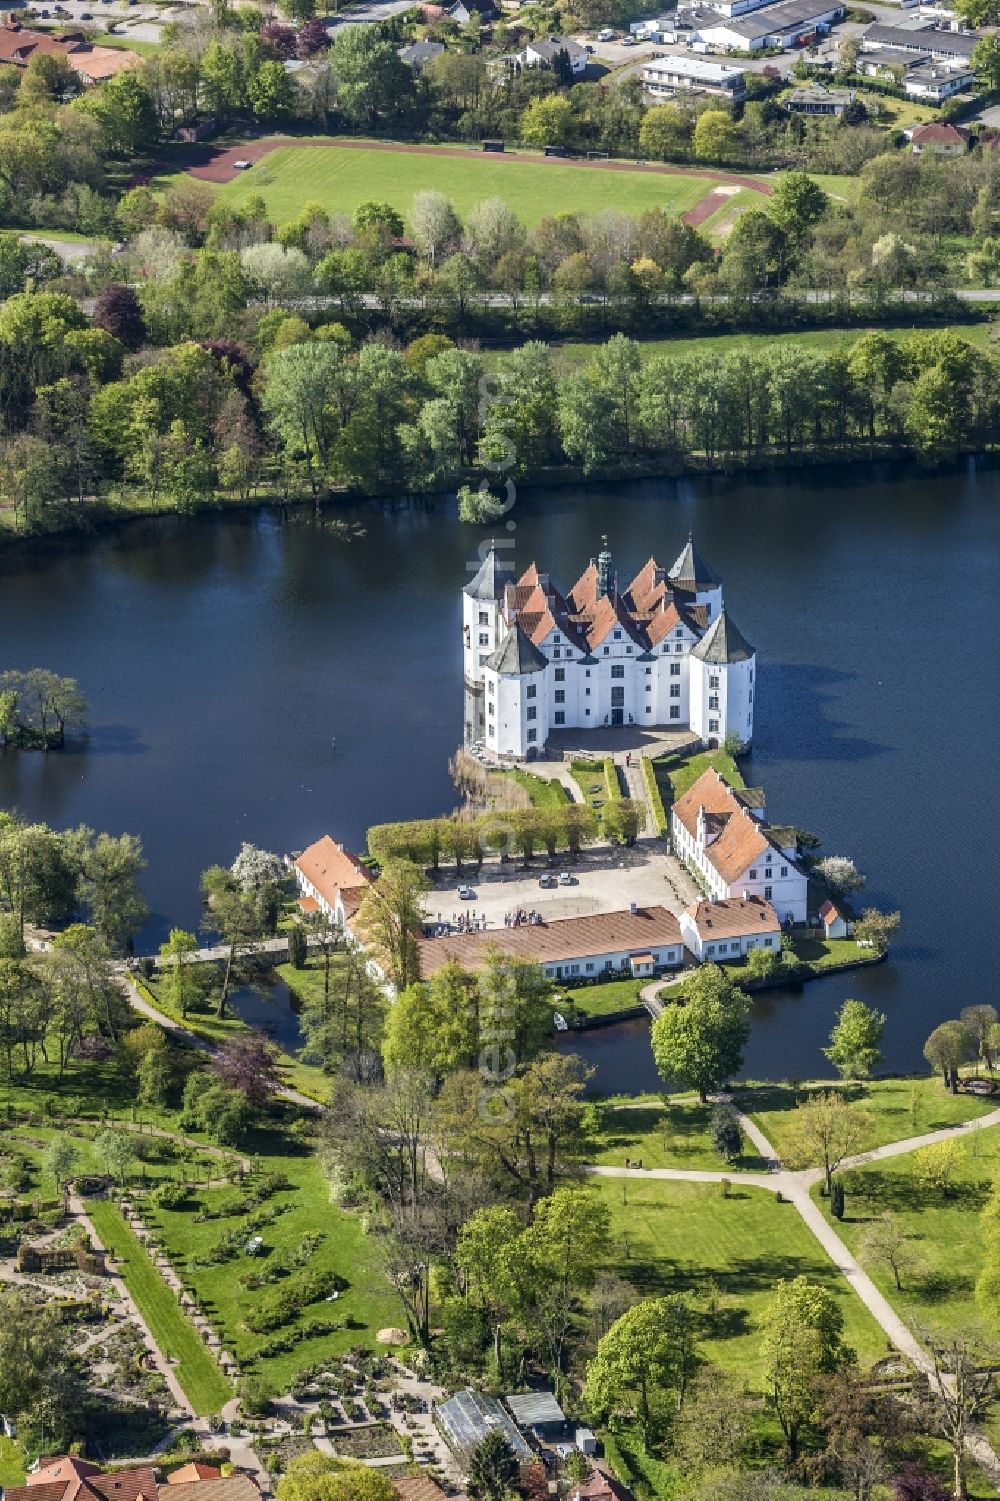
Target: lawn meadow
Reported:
point(342, 177)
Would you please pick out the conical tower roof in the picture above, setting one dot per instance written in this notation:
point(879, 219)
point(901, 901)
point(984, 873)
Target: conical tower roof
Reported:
point(492, 578)
point(723, 642)
point(692, 571)
point(516, 655)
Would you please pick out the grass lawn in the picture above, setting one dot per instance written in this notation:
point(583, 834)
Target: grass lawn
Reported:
point(11, 1463)
point(305, 1077)
point(827, 953)
point(197, 1370)
point(568, 357)
point(940, 1291)
point(368, 1302)
point(682, 772)
point(673, 1237)
point(897, 1108)
point(601, 1000)
point(597, 780)
point(543, 792)
point(658, 1134)
point(343, 177)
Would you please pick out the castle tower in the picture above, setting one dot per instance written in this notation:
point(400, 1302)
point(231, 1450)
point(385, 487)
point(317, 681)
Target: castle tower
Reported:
point(691, 573)
point(723, 668)
point(607, 580)
point(517, 697)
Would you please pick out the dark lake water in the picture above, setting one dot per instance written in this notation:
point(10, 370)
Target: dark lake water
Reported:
point(222, 657)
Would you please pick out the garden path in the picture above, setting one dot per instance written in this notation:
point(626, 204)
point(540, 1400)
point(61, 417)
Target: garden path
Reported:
point(795, 1186)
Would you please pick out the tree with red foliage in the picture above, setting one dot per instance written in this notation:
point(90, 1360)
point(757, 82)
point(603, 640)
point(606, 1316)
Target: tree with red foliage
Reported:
point(280, 38)
point(311, 38)
point(249, 1063)
point(914, 1484)
point(119, 312)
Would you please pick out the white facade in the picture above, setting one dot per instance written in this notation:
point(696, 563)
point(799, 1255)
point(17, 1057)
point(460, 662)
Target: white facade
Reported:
point(668, 75)
point(730, 853)
point(661, 652)
point(718, 932)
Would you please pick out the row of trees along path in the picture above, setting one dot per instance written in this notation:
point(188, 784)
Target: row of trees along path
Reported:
point(795, 1187)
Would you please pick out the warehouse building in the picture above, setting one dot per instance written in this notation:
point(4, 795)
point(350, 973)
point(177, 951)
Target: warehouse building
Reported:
point(791, 23)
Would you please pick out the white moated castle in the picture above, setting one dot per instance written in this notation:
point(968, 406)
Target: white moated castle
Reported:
point(660, 651)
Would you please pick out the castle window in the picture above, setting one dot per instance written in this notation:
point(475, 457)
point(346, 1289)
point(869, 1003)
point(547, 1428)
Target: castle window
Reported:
point(713, 702)
point(675, 712)
point(618, 670)
point(587, 675)
point(649, 708)
point(753, 875)
point(586, 693)
point(675, 690)
point(560, 674)
point(675, 669)
point(530, 691)
point(560, 716)
point(607, 651)
point(556, 653)
point(628, 651)
point(783, 871)
point(484, 618)
point(484, 638)
point(649, 672)
point(560, 695)
point(713, 726)
point(483, 658)
point(768, 891)
point(532, 712)
point(532, 734)
point(618, 635)
point(713, 680)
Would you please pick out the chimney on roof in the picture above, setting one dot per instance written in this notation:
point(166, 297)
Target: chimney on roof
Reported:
point(633, 907)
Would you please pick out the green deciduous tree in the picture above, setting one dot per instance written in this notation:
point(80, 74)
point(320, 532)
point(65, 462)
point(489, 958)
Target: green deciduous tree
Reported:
point(802, 1341)
point(855, 1041)
point(699, 1043)
point(643, 1366)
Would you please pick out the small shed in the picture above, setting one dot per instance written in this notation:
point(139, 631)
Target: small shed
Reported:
point(538, 1411)
point(835, 924)
point(585, 1441)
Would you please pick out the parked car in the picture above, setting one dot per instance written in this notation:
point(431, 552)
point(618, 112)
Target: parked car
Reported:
point(565, 879)
point(467, 894)
point(242, 166)
point(547, 880)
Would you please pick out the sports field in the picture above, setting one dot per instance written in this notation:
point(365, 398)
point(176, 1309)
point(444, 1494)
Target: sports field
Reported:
point(341, 177)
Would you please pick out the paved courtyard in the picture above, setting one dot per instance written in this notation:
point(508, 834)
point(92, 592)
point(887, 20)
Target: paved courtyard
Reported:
point(604, 880)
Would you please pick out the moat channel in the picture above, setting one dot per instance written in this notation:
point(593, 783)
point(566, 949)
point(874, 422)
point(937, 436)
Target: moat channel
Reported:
point(253, 677)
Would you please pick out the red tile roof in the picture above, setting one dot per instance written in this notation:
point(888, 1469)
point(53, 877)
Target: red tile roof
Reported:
point(733, 917)
point(236, 1487)
point(194, 1471)
point(937, 134)
point(67, 1478)
point(567, 938)
point(331, 869)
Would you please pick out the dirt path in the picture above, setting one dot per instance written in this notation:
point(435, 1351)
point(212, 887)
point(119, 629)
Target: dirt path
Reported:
point(706, 207)
point(218, 163)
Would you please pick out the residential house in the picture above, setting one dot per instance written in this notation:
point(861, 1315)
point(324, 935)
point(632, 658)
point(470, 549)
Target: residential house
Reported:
point(600, 1485)
point(638, 942)
point(235, 1487)
point(936, 81)
point(835, 924)
point(939, 139)
point(816, 99)
point(418, 54)
point(18, 44)
point(721, 931)
point(729, 851)
point(331, 880)
point(462, 11)
point(542, 53)
point(66, 1477)
point(196, 1470)
point(663, 77)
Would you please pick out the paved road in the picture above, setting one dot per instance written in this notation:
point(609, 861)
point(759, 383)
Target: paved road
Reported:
point(795, 1187)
